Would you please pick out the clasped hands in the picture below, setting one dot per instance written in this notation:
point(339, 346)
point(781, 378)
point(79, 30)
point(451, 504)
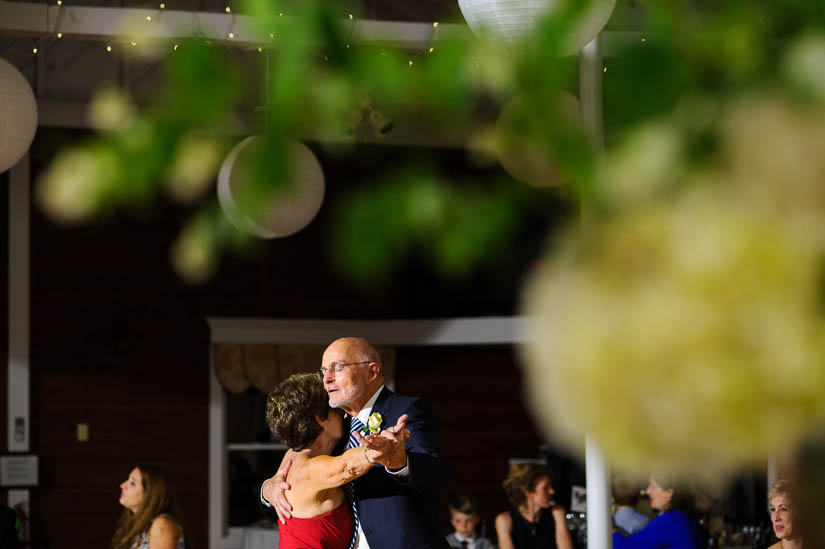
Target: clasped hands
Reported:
point(387, 447)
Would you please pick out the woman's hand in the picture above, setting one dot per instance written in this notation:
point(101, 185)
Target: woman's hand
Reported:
point(274, 488)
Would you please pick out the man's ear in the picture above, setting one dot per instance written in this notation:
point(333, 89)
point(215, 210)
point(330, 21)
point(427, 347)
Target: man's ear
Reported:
point(321, 422)
point(375, 371)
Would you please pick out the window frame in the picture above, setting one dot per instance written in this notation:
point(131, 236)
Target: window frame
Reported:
point(501, 330)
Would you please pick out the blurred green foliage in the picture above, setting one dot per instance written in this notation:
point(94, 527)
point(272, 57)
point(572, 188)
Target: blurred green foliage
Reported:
point(316, 77)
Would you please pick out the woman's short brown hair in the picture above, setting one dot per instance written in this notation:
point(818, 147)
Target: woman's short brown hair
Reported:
point(291, 409)
point(523, 478)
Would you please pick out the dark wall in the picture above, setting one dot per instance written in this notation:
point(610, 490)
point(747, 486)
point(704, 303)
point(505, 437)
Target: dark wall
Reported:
point(118, 342)
point(4, 305)
point(476, 393)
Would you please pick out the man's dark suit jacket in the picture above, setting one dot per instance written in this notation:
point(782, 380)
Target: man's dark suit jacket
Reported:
point(398, 512)
point(401, 512)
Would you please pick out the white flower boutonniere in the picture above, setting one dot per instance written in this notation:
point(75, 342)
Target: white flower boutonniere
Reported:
point(373, 424)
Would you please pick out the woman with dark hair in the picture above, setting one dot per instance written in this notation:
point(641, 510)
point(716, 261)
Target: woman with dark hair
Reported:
point(534, 522)
point(299, 415)
point(673, 528)
point(780, 499)
point(152, 517)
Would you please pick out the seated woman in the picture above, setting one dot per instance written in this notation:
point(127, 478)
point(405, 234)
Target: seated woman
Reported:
point(673, 528)
point(781, 507)
point(152, 517)
point(534, 522)
point(298, 414)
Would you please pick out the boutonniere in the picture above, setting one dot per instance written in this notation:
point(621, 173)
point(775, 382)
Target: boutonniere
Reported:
point(373, 425)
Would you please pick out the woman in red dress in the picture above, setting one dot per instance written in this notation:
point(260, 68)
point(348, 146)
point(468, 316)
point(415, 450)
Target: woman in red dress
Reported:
point(298, 414)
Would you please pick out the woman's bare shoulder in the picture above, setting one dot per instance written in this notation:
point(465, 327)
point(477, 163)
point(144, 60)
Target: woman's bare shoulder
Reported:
point(165, 526)
point(504, 519)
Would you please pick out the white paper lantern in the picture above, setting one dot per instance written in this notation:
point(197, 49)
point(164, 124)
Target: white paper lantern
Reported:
point(286, 212)
point(521, 156)
point(18, 115)
point(509, 21)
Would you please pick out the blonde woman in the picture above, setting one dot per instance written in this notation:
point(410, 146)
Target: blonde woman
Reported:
point(152, 517)
point(782, 516)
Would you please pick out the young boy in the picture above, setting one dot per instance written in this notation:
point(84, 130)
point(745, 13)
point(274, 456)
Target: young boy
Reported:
point(465, 518)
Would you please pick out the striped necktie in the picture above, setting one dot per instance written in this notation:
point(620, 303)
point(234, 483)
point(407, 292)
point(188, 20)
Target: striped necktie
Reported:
point(355, 425)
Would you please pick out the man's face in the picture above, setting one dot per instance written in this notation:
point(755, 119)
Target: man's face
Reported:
point(347, 388)
point(464, 524)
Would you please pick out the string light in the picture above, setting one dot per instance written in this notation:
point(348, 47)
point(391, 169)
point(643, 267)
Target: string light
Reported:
point(350, 17)
point(410, 62)
point(644, 39)
point(60, 35)
point(162, 6)
point(435, 24)
point(228, 9)
point(347, 45)
point(231, 35)
point(134, 43)
point(59, 2)
point(260, 49)
point(431, 50)
point(272, 35)
point(605, 69)
point(148, 17)
point(34, 51)
point(108, 48)
point(176, 47)
point(280, 14)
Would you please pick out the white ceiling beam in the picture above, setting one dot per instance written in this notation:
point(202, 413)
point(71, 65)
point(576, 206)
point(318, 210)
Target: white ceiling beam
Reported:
point(121, 25)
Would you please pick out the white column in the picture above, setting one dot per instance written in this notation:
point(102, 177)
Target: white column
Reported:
point(18, 317)
point(773, 470)
point(599, 522)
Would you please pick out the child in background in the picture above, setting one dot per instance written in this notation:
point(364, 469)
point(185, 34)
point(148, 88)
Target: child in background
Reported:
point(625, 496)
point(465, 518)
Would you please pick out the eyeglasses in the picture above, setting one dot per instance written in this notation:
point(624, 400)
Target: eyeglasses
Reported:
point(338, 367)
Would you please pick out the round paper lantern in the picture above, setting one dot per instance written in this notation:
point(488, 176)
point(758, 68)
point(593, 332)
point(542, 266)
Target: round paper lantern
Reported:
point(287, 210)
point(520, 154)
point(509, 21)
point(18, 115)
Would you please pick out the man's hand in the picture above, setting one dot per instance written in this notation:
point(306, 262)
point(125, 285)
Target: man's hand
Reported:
point(387, 447)
point(274, 488)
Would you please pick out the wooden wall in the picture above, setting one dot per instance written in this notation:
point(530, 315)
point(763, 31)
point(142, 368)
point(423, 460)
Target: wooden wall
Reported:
point(119, 343)
point(4, 305)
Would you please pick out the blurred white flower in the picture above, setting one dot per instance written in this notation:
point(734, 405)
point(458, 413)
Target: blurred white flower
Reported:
point(774, 150)
point(683, 335)
point(111, 109)
point(76, 183)
point(647, 160)
point(193, 254)
point(194, 166)
point(803, 64)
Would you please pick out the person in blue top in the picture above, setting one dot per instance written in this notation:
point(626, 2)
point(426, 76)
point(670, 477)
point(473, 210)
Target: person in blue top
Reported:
point(673, 528)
